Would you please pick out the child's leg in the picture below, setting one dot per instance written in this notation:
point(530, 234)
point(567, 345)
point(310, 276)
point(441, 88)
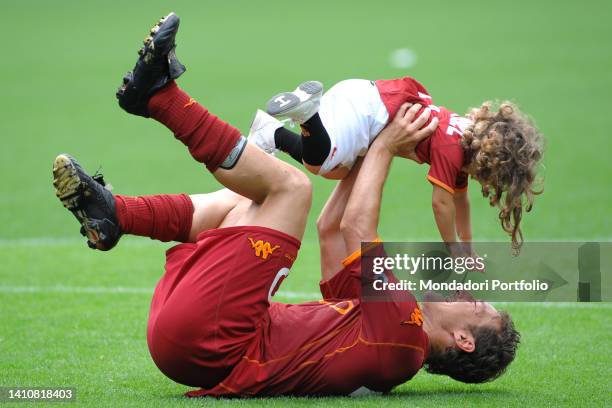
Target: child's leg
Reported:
point(311, 147)
point(302, 107)
point(288, 142)
point(337, 130)
point(316, 143)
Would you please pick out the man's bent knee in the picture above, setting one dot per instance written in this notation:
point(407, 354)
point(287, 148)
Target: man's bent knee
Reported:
point(302, 189)
point(295, 183)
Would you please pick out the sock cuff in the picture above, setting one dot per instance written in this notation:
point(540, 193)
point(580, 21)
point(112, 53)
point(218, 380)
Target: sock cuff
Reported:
point(161, 103)
point(186, 211)
point(234, 155)
point(166, 217)
point(125, 206)
point(209, 139)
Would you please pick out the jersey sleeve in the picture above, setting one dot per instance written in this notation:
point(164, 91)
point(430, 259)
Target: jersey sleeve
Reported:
point(445, 169)
point(346, 284)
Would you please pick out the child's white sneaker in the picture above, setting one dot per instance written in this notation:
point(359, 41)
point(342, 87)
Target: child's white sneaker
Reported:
point(299, 105)
point(262, 131)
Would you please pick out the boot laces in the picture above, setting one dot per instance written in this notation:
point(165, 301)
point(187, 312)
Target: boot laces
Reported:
point(99, 178)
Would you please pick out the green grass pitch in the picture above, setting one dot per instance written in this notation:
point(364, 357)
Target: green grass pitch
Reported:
point(74, 317)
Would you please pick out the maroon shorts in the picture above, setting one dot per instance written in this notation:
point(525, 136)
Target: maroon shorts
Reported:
point(214, 293)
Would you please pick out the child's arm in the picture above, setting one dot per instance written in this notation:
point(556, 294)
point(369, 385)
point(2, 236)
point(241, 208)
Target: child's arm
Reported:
point(444, 211)
point(462, 216)
point(464, 224)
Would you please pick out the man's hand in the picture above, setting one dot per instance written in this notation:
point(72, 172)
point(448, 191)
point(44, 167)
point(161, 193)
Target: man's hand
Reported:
point(404, 133)
point(399, 138)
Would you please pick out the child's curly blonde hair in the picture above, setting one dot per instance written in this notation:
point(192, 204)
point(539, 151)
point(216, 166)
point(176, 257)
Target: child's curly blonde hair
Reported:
point(504, 148)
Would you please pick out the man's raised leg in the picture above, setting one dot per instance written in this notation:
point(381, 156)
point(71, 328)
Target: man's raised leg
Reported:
point(276, 188)
point(214, 293)
point(105, 217)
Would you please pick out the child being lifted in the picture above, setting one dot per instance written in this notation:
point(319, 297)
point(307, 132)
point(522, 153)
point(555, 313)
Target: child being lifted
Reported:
point(499, 147)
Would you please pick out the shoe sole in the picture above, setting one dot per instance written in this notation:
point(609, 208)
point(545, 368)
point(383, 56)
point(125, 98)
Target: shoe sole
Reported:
point(68, 188)
point(311, 87)
point(283, 103)
point(158, 46)
point(149, 41)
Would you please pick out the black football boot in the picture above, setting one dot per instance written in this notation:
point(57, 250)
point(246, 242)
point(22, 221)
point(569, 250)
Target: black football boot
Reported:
point(89, 200)
point(156, 66)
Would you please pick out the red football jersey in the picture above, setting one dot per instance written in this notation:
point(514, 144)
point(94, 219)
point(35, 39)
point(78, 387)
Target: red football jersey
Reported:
point(442, 150)
point(331, 347)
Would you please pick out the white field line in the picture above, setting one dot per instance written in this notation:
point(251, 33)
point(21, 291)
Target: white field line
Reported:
point(63, 289)
point(557, 305)
point(66, 241)
point(63, 241)
point(76, 240)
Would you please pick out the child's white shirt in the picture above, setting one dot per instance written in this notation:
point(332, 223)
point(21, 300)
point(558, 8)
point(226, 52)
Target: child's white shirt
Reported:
point(353, 114)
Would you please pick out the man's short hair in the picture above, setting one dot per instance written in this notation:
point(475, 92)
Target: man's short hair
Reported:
point(494, 351)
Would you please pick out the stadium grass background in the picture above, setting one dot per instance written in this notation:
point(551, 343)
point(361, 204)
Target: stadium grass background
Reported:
point(65, 319)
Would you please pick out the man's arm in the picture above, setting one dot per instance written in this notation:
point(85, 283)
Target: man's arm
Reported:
point(331, 242)
point(399, 138)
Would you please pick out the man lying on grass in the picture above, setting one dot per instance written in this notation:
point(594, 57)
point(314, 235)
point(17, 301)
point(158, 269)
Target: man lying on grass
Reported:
point(212, 323)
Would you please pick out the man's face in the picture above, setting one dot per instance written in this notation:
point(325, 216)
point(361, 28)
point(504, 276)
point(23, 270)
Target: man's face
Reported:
point(460, 310)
